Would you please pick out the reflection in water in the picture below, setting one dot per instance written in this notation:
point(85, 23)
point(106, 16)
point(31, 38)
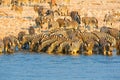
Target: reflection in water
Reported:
point(53, 67)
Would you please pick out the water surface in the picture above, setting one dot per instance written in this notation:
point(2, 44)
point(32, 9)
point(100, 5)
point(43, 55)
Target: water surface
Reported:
point(21, 66)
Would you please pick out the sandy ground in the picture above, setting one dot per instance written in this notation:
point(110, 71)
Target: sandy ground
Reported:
point(12, 22)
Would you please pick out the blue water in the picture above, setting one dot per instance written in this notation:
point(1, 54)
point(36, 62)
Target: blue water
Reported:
point(21, 66)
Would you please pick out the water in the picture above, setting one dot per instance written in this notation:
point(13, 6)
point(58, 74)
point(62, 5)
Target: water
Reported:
point(53, 67)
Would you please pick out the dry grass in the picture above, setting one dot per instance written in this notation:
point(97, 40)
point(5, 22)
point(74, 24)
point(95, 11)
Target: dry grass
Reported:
point(11, 23)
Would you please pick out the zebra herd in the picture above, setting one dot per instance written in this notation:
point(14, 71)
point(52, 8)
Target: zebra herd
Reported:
point(63, 36)
point(64, 42)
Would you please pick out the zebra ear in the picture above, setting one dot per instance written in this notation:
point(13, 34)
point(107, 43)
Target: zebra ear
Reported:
point(38, 41)
point(71, 44)
point(108, 44)
point(112, 44)
point(10, 43)
point(45, 17)
point(96, 43)
point(29, 43)
point(60, 35)
point(88, 44)
point(85, 44)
